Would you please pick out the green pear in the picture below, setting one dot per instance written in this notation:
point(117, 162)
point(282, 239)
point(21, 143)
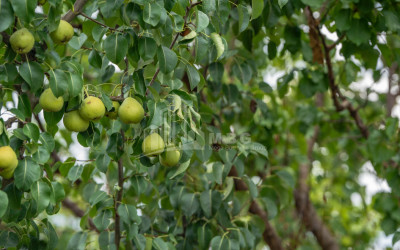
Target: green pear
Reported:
point(63, 33)
point(49, 102)
point(74, 122)
point(8, 158)
point(92, 109)
point(153, 145)
point(113, 114)
point(131, 111)
point(170, 157)
point(22, 41)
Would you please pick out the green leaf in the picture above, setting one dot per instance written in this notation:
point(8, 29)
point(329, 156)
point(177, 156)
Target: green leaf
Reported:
point(47, 141)
point(252, 187)
point(147, 48)
point(77, 41)
point(116, 47)
point(58, 192)
point(77, 241)
point(202, 21)
point(42, 155)
point(152, 13)
point(7, 15)
point(8, 239)
point(343, 19)
point(204, 235)
point(167, 59)
point(75, 84)
point(115, 146)
point(219, 243)
point(24, 9)
point(396, 237)
point(102, 162)
point(244, 17)
point(41, 193)
point(97, 197)
point(33, 74)
point(182, 168)
point(95, 59)
point(210, 201)
point(3, 203)
point(24, 105)
point(359, 32)
point(282, 3)
point(128, 213)
point(58, 82)
point(313, 3)
point(75, 173)
point(26, 173)
point(193, 75)
point(287, 178)
point(31, 131)
point(189, 204)
point(106, 240)
point(159, 244)
point(157, 113)
point(102, 220)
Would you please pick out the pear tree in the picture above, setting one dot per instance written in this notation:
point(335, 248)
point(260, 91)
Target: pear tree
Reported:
point(199, 124)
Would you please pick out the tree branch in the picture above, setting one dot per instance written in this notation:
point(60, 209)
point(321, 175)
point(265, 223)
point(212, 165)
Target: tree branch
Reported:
point(67, 203)
point(270, 236)
point(78, 6)
point(340, 101)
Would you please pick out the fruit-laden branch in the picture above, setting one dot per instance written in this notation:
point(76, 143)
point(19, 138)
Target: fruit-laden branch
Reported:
point(78, 6)
point(340, 101)
point(67, 203)
point(270, 236)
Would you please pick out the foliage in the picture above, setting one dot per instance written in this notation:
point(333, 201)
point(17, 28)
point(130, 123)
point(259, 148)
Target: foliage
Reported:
point(199, 70)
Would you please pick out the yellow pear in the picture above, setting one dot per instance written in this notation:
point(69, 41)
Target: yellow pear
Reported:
point(63, 33)
point(8, 173)
point(153, 145)
point(22, 41)
point(170, 157)
point(92, 109)
point(131, 111)
point(74, 122)
point(113, 114)
point(8, 158)
point(49, 102)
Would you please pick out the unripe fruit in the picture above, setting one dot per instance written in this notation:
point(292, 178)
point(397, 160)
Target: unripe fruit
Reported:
point(153, 145)
point(113, 114)
point(219, 45)
point(22, 41)
point(131, 111)
point(8, 173)
point(8, 162)
point(63, 33)
point(8, 158)
point(74, 122)
point(92, 109)
point(170, 157)
point(49, 102)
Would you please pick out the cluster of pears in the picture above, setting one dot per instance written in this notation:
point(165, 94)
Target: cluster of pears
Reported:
point(22, 40)
point(8, 162)
point(154, 145)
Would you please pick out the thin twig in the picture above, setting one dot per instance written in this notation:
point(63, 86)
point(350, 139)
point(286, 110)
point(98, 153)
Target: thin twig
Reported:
point(99, 23)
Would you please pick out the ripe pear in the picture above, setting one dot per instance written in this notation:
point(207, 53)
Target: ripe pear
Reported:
point(8, 173)
point(170, 157)
point(74, 122)
point(8, 159)
point(113, 114)
point(92, 109)
point(131, 111)
point(49, 102)
point(153, 145)
point(22, 41)
point(63, 33)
